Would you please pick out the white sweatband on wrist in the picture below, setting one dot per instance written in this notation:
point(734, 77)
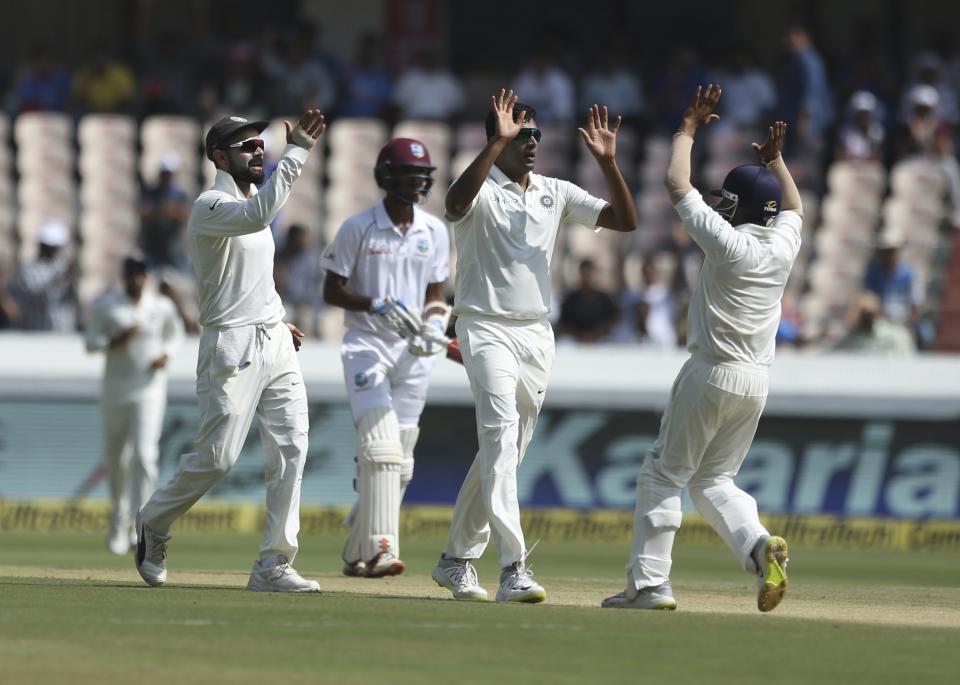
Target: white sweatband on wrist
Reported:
point(302, 138)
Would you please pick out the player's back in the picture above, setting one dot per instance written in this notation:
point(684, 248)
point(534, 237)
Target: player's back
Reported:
point(735, 310)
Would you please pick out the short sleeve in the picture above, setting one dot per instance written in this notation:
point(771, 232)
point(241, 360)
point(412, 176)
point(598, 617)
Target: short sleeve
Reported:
point(718, 239)
point(340, 256)
point(790, 224)
point(482, 194)
point(580, 207)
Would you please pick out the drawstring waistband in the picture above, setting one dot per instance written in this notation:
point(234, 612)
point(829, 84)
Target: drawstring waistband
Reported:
point(261, 333)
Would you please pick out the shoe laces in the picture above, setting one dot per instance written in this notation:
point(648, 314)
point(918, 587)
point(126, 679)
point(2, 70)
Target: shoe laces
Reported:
point(463, 574)
point(282, 568)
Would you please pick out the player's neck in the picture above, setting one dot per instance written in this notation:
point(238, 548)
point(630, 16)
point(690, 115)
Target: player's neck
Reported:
point(520, 176)
point(400, 213)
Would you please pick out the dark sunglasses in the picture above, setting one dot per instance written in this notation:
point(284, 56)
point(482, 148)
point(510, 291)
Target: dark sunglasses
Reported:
point(248, 145)
point(528, 133)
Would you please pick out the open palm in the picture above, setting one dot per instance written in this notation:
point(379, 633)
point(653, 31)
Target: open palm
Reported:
point(600, 139)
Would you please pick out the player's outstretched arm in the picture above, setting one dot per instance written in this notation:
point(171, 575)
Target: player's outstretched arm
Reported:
point(698, 113)
point(601, 140)
point(770, 155)
point(462, 193)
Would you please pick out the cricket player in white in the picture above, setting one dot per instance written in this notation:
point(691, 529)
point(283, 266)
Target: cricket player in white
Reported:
point(387, 260)
point(505, 221)
point(247, 363)
point(139, 331)
point(750, 240)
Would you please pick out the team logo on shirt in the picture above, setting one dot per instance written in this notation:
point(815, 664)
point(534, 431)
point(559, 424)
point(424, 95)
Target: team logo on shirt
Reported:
point(546, 201)
point(423, 246)
point(416, 149)
point(360, 379)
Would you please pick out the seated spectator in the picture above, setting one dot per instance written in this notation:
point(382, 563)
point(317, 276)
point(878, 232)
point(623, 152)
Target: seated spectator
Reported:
point(43, 288)
point(427, 90)
point(749, 93)
point(862, 136)
point(546, 87)
point(918, 134)
point(587, 313)
point(901, 293)
point(42, 85)
point(299, 279)
point(164, 211)
point(105, 85)
point(872, 333)
point(237, 86)
point(614, 85)
point(166, 77)
point(298, 80)
point(366, 86)
point(928, 71)
point(672, 86)
point(648, 317)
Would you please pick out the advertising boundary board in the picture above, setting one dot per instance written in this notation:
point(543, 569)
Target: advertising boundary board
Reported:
point(550, 525)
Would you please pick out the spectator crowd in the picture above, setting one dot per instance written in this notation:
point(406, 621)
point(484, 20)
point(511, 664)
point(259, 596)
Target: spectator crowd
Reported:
point(858, 107)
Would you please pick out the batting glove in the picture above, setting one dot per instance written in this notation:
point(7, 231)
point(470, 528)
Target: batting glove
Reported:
point(432, 339)
point(396, 316)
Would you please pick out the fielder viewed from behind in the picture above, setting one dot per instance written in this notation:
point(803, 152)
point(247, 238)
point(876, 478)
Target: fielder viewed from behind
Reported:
point(750, 240)
point(386, 265)
point(505, 221)
point(139, 331)
point(247, 363)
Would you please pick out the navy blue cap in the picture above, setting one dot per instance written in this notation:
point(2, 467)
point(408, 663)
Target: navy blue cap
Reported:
point(752, 187)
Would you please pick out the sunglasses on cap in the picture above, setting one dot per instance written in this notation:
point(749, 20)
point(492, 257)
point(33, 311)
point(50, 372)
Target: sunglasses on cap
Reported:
point(248, 145)
point(528, 133)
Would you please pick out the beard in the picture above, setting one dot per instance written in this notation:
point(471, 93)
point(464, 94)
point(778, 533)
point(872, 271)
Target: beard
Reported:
point(243, 173)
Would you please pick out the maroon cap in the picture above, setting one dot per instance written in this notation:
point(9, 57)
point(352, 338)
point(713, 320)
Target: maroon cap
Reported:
point(404, 152)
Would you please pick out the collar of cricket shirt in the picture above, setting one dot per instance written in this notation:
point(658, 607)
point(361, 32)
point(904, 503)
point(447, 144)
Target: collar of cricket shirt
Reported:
point(224, 182)
point(502, 180)
point(384, 222)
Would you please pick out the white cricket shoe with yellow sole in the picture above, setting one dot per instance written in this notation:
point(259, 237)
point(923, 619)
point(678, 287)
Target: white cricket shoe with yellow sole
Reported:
point(771, 558)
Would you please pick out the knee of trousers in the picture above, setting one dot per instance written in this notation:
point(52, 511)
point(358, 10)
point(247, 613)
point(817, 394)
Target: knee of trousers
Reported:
point(663, 519)
point(378, 438)
point(408, 441)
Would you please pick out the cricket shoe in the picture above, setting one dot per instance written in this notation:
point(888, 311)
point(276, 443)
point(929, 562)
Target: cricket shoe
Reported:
point(355, 569)
point(517, 585)
point(279, 577)
point(658, 597)
point(384, 564)
point(460, 577)
point(151, 556)
point(770, 556)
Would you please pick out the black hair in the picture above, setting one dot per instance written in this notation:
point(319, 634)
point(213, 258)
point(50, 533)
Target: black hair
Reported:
point(490, 125)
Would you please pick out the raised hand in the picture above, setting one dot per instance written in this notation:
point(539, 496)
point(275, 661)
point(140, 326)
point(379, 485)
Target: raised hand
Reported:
point(502, 107)
point(700, 110)
point(772, 146)
point(312, 125)
point(600, 139)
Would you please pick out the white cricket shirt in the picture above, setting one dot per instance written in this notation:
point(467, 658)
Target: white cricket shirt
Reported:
point(735, 310)
point(231, 246)
point(505, 243)
point(127, 374)
point(378, 260)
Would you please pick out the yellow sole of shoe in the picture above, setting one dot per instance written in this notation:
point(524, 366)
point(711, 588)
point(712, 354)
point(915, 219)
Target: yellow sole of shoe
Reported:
point(774, 585)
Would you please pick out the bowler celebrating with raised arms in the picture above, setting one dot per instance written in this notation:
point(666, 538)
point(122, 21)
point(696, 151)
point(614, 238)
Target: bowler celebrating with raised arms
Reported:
point(505, 220)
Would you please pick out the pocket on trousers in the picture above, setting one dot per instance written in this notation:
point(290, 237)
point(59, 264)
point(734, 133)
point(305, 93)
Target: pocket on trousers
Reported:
point(235, 347)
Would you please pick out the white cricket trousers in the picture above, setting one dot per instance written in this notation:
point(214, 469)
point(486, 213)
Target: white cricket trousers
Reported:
point(131, 437)
point(707, 428)
point(508, 364)
point(267, 382)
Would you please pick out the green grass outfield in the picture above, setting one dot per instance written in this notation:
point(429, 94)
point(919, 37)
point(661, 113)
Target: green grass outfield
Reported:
point(71, 612)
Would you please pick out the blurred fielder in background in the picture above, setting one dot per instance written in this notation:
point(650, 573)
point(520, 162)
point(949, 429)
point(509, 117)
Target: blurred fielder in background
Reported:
point(247, 363)
point(505, 221)
point(750, 240)
point(386, 265)
point(139, 331)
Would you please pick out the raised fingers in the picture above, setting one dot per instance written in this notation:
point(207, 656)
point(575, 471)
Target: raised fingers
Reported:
point(604, 117)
